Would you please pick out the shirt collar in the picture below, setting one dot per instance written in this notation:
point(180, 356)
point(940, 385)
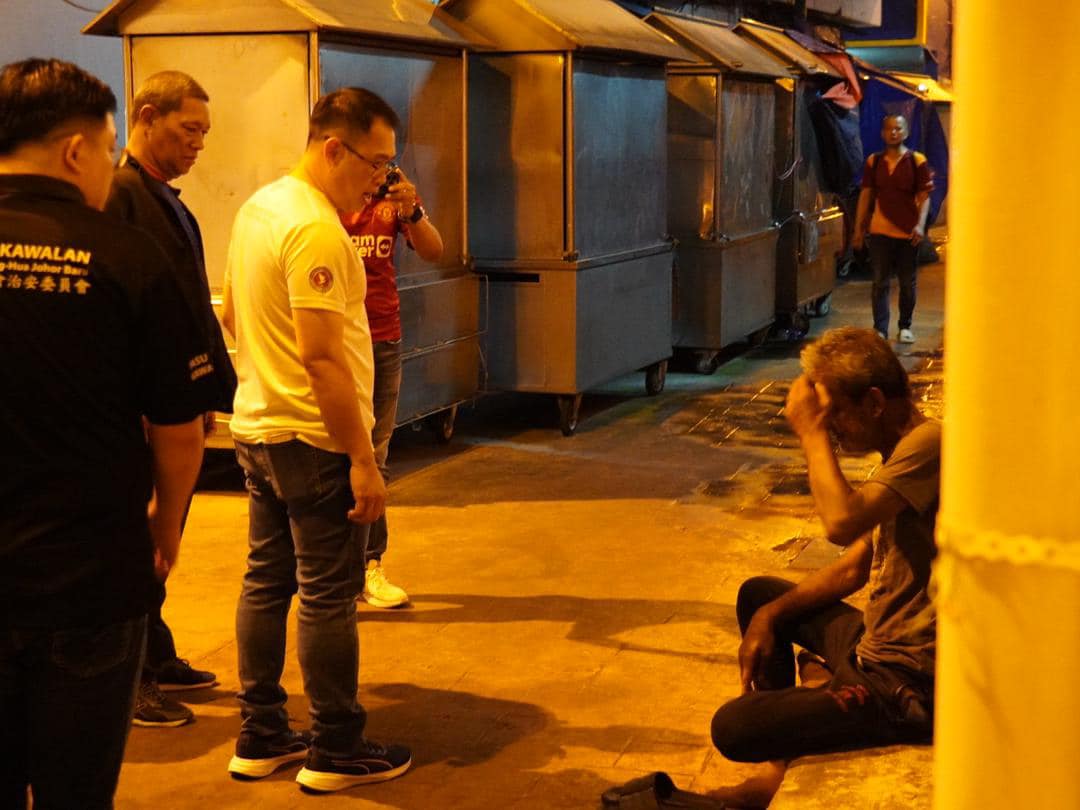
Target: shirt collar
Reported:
point(128, 159)
point(40, 185)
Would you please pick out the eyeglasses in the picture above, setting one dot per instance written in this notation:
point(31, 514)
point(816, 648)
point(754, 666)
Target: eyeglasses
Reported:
point(376, 165)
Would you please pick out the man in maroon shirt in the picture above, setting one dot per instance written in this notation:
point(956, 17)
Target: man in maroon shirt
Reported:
point(374, 230)
point(896, 186)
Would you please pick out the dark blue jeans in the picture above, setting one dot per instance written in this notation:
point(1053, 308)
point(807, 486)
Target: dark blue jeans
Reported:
point(301, 542)
point(384, 400)
point(66, 698)
point(892, 257)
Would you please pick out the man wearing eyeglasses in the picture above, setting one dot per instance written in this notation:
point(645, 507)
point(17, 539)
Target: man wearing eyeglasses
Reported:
point(294, 299)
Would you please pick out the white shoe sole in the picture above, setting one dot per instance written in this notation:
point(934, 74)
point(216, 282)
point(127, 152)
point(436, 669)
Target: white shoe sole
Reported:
point(375, 601)
point(328, 782)
point(258, 768)
point(135, 721)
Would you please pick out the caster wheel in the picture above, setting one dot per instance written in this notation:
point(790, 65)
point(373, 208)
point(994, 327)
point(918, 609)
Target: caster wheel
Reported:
point(655, 377)
point(758, 337)
point(707, 363)
point(569, 408)
point(442, 424)
point(823, 306)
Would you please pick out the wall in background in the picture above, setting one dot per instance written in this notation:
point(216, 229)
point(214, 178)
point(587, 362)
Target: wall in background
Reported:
point(50, 28)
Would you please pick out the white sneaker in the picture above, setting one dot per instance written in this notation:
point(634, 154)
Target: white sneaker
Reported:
point(883, 336)
point(906, 336)
point(380, 592)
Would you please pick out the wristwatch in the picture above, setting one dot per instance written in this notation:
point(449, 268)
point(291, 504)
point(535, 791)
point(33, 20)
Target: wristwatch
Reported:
point(418, 214)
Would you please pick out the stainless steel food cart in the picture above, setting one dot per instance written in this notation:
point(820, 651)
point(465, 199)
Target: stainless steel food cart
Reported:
point(264, 63)
point(721, 187)
point(567, 194)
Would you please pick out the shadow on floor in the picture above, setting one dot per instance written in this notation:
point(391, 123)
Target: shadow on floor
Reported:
point(593, 621)
point(443, 726)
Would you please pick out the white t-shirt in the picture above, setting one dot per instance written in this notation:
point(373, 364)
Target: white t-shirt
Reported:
point(288, 251)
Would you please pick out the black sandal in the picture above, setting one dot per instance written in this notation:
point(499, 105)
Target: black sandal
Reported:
point(656, 792)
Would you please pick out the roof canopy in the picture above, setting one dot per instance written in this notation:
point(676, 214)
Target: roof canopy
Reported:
point(780, 44)
point(909, 58)
point(716, 44)
point(930, 89)
point(563, 25)
point(413, 20)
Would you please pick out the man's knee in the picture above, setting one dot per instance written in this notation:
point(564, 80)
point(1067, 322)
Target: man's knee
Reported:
point(730, 727)
point(754, 593)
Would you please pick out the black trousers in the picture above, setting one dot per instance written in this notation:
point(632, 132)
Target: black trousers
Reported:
point(863, 705)
point(889, 257)
point(160, 647)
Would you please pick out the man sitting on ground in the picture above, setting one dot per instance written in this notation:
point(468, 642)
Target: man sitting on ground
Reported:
point(877, 667)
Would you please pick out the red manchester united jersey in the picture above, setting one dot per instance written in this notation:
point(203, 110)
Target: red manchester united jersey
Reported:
point(374, 230)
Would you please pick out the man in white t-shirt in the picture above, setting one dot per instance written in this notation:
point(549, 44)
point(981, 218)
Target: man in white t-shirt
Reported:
point(294, 299)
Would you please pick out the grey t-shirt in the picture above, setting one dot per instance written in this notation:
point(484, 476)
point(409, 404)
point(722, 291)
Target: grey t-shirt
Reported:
point(900, 621)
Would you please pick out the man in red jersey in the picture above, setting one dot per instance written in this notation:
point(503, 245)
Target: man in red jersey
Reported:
point(893, 207)
point(374, 230)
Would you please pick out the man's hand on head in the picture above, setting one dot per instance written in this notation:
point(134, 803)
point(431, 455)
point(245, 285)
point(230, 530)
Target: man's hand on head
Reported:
point(807, 407)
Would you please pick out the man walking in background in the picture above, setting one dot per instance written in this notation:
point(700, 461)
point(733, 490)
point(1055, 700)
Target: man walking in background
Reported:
point(896, 188)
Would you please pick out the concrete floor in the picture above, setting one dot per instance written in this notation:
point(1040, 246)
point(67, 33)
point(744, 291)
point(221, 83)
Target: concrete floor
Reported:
point(572, 620)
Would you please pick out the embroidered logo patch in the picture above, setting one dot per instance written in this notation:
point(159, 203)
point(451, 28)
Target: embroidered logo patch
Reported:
point(321, 279)
point(387, 213)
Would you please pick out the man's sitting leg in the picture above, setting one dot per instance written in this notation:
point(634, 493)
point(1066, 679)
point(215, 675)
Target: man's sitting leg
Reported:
point(829, 633)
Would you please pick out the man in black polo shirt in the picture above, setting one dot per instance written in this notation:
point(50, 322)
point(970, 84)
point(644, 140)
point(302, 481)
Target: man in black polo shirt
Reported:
point(95, 337)
point(170, 118)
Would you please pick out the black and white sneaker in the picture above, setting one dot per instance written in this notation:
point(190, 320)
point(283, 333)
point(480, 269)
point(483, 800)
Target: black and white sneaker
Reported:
point(373, 763)
point(257, 757)
point(155, 710)
point(177, 675)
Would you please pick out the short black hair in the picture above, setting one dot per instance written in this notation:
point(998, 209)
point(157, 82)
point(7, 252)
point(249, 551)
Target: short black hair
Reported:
point(165, 92)
point(38, 95)
point(352, 109)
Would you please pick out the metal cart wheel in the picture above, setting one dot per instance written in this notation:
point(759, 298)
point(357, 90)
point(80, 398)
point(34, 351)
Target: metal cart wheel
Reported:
point(442, 424)
point(569, 408)
point(823, 305)
point(706, 362)
point(655, 377)
point(758, 336)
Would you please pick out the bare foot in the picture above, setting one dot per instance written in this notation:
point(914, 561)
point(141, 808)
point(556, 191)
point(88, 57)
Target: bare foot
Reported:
point(756, 791)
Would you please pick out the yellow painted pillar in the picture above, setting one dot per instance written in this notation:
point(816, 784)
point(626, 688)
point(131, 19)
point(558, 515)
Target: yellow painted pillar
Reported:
point(1008, 694)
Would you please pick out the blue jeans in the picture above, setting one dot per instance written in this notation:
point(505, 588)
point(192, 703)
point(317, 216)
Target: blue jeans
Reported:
point(66, 698)
point(384, 399)
point(889, 257)
point(300, 541)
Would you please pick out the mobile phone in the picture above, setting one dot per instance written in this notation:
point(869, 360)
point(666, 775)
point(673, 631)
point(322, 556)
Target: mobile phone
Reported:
point(393, 177)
